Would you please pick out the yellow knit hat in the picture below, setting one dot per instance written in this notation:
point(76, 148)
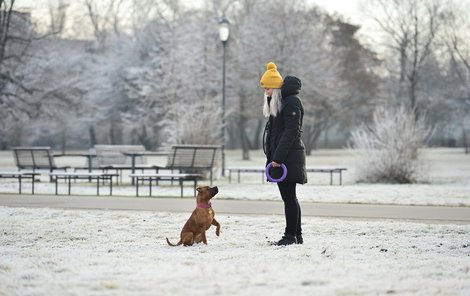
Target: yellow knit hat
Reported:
point(271, 78)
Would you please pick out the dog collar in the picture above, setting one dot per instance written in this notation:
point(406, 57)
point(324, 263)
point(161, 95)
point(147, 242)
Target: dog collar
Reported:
point(204, 206)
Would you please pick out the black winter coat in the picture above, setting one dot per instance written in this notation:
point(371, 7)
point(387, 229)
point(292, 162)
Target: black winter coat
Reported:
point(282, 140)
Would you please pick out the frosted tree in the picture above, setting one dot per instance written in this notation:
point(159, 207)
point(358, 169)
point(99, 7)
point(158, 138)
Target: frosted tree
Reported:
point(150, 84)
point(113, 52)
point(177, 80)
point(61, 94)
point(388, 150)
point(195, 82)
point(11, 128)
point(16, 34)
point(22, 98)
point(246, 63)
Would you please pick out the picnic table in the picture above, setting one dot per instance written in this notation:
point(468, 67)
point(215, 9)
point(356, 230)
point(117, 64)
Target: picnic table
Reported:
point(165, 176)
point(134, 154)
point(90, 155)
point(99, 176)
point(109, 157)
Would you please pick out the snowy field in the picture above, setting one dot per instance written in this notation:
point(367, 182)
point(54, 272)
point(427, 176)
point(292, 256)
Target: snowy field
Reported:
point(96, 252)
point(445, 181)
point(80, 252)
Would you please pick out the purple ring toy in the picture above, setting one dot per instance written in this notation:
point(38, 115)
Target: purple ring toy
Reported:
point(284, 173)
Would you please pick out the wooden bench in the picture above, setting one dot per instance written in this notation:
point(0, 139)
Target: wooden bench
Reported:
point(35, 158)
point(20, 176)
point(190, 162)
point(331, 171)
point(162, 176)
point(192, 159)
point(99, 176)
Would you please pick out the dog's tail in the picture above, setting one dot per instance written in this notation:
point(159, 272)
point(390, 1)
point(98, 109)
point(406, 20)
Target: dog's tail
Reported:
point(173, 245)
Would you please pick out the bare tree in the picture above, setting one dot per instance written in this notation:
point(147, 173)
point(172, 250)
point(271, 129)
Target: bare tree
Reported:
point(58, 17)
point(457, 40)
point(410, 29)
point(105, 18)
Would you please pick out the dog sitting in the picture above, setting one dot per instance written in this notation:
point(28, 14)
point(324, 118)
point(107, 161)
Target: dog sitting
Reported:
point(194, 230)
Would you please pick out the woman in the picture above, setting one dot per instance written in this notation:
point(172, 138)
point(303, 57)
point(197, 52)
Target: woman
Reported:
point(282, 144)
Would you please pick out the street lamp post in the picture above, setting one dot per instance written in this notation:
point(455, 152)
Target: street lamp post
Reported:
point(224, 33)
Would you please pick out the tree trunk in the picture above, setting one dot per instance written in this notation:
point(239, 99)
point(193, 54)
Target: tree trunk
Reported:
point(111, 134)
point(114, 131)
point(91, 130)
point(257, 137)
point(3, 142)
point(244, 139)
point(312, 135)
point(144, 139)
point(233, 137)
point(63, 139)
point(465, 140)
point(156, 138)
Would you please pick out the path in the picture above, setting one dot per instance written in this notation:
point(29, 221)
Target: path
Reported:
point(432, 214)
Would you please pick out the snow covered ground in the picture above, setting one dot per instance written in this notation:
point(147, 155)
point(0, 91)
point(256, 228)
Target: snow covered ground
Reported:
point(81, 252)
point(95, 252)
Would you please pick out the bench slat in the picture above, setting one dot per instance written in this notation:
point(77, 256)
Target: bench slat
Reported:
point(35, 158)
point(192, 158)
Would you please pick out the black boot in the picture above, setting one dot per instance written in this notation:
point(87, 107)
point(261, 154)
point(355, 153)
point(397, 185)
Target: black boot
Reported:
point(299, 239)
point(286, 240)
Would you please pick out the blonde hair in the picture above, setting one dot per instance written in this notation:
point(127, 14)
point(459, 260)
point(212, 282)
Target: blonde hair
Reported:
point(274, 107)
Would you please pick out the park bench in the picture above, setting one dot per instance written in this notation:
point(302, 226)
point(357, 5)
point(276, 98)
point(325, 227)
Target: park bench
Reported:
point(35, 159)
point(331, 171)
point(193, 159)
point(20, 176)
point(190, 162)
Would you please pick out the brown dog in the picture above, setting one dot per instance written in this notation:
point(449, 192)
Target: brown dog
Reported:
point(194, 230)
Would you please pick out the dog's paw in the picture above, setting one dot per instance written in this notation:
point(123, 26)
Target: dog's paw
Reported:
point(217, 232)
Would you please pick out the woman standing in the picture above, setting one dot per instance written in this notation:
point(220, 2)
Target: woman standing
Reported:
point(283, 144)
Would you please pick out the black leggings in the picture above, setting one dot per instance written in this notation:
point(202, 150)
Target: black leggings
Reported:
point(291, 208)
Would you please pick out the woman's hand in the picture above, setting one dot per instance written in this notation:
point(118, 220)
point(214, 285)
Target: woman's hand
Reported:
point(275, 164)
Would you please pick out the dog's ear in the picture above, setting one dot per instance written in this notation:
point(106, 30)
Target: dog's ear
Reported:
point(199, 189)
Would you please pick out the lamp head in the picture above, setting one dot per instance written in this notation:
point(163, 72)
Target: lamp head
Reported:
point(224, 29)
